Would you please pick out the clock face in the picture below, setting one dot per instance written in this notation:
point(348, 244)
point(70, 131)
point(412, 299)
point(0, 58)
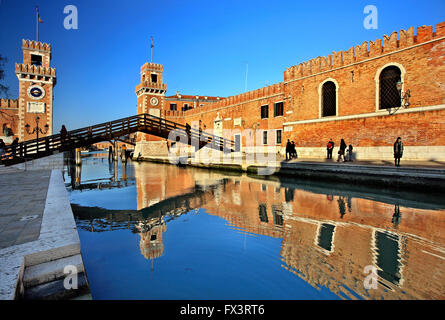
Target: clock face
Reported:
point(154, 101)
point(36, 92)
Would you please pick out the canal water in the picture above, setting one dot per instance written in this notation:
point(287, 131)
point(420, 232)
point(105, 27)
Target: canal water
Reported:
point(157, 231)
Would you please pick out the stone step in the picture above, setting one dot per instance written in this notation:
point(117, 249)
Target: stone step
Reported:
point(55, 290)
point(50, 271)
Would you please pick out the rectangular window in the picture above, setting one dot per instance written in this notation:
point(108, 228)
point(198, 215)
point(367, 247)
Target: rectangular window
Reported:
point(279, 135)
point(278, 109)
point(36, 60)
point(265, 112)
point(265, 137)
point(154, 78)
point(263, 213)
point(185, 107)
point(325, 236)
point(237, 142)
point(277, 213)
point(173, 106)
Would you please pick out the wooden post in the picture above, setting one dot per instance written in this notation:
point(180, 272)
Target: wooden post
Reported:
point(116, 151)
point(78, 157)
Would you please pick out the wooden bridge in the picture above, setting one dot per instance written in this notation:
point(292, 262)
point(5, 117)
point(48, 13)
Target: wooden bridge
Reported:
point(146, 123)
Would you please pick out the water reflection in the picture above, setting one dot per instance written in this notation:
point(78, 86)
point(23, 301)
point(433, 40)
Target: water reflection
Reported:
point(329, 233)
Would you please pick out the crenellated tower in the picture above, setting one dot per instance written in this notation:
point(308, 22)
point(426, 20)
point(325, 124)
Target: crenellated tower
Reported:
point(36, 83)
point(150, 94)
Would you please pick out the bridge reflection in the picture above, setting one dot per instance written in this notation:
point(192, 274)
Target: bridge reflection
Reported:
point(328, 235)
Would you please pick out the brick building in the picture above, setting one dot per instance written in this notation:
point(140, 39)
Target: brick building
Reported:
point(327, 238)
point(354, 94)
point(19, 117)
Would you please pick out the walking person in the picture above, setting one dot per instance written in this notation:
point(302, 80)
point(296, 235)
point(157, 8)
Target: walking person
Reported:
point(350, 148)
point(124, 152)
point(293, 151)
point(330, 148)
point(398, 151)
point(63, 133)
point(288, 149)
point(2, 147)
point(14, 145)
point(341, 152)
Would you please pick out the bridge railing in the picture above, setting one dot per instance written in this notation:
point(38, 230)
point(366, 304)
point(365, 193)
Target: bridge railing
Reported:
point(109, 130)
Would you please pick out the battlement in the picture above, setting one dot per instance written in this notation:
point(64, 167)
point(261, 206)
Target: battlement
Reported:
point(264, 92)
point(152, 85)
point(28, 68)
point(9, 103)
point(152, 66)
point(174, 113)
point(365, 51)
point(36, 45)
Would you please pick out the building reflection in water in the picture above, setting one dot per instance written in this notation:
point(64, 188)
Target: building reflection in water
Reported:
point(328, 238)
point(151, 231)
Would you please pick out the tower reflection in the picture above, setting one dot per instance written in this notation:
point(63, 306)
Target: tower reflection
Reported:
point(327, 237)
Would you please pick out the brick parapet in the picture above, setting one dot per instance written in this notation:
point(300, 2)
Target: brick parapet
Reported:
point(365, 51)
point(35, 45)
point(28, 68)
point(9, 103)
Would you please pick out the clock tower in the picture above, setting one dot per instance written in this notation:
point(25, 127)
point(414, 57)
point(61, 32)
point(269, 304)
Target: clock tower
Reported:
point(150, 94)
point(36, 83)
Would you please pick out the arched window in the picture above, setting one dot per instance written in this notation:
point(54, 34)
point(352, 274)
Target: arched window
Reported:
point(329, 99)
point(389, 96)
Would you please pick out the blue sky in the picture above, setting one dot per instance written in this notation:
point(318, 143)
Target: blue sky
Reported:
point(203, 45)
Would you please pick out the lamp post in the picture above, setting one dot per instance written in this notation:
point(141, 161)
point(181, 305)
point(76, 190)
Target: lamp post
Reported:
point(37, 130)
point(404, 97)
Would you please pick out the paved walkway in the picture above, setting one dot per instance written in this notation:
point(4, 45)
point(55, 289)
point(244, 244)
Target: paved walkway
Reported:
point(22, 201)
point(432, 164)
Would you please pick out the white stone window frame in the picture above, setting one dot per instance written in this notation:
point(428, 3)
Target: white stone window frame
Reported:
point(276, 137)
point(265, 136)
point(157, 76)
point(36, 53)
point(320, 98)
point(275, 103)
point(317, 234)
point(377, 83)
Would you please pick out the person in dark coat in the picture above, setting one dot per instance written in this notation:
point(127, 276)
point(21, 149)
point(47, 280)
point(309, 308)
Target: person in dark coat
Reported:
point(293, 151)
point(350, 148)
point(63, 132)
point(398, 151)
point(110, 152)
point(288, 149)
point(341, 152)
point(2, 146)
point(14, 145)
point(330, 148)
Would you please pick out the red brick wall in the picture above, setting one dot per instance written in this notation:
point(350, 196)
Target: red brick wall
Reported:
point(9, 115)
point(355, 72)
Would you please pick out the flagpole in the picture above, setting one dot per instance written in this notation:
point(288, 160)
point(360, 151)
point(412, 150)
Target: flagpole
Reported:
point(37, 23)
point(151, 49)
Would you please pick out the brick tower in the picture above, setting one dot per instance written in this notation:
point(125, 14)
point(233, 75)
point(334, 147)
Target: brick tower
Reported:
point(150, 94)
point(36, 82)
